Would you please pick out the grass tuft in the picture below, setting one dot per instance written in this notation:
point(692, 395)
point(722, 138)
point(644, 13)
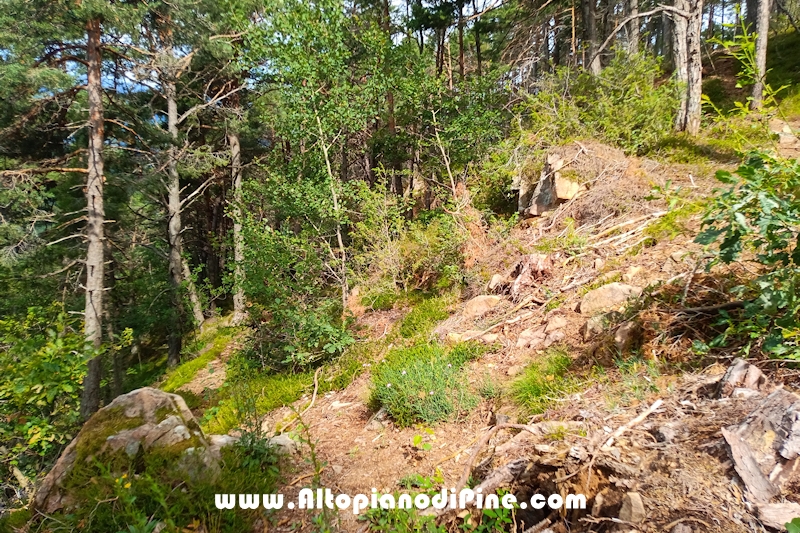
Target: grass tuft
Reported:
point(544, 381)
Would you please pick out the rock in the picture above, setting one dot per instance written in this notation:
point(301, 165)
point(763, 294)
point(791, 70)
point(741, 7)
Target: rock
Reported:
point(490, 338)
point(480, 305)
point(283, 444)
point(631, 274)
point(133, 424)
point(544, 195)
point(514, 370)
point(597, 506)
point(339, 405)
point(497, 282)
point(610, 296)
point(453, 337)
point(552, 338)
point(679, 256)
point(599, 263)
point(531, 337)
point(337, 469)
point(665, 433)
point(592, 327)
point(627, 336)
point(500, 418)
point(683, 527)
point(775, 515)
point(786, 139)
point(567, 189)
point(740, 374)
point(556, 322)
point(632, 508)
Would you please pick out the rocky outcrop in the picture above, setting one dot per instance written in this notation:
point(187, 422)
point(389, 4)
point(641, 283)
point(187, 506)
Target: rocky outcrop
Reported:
point(608, 297)
point(138, 423)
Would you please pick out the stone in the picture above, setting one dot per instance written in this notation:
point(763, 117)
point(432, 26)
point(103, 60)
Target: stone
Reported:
point(567, 189)
point(283, 444)
point(514, 370)
point(552, 338)
point(599, 263)
point(453, 337)
point(337, 469)
point(627, 336)
point(556, 322)
point(683, 527)
point(593, 327)
point(631, 274)
point(531, 337)
point(135, 423)
point(480, 305)
point(775, 515)
point(497, 281)
point(665, 433)
point(490, 338)
point(339, 405)
point(500, 418)
point(632, 508)
point(610, 296)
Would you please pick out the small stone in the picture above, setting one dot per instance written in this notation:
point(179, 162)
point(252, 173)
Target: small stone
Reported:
point(500, 418)
point(543, 448)
point(374, 425)
point(453, 337)
point(337, 469)
point(682, 528)
point(556, 322)
point(530, 336)
point(665, 433)
point(514, 370)
point(339, 405)
point(744, 393)
point(631, 274)
point(678, 256)
point(607, 297)
point(599, 263)
point(480, 305)
point(497, 281)
point(552, 338)
point(579, 453)
point(597, 506)
point(490, 338)
point(283, 444)
point(627, 336)
point(632, 508)
point(592, 327)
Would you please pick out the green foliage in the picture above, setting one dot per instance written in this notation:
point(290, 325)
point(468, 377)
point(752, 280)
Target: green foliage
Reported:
point(421, 320)
point(424, 383)
point(793, 526)
point(400, 521)
point(544, 380)
point(759, 213)
point(184, 373)
point(569, 241)
point(43, 360)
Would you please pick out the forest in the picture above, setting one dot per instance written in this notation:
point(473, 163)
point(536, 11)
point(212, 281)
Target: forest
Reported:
point(399, 244)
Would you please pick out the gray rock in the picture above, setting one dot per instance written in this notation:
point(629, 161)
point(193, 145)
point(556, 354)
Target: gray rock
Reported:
point(593, 327)
point(610, 296)
point(552, 338)
point(283, 444)
point(683, 527)
point(556, 322)
point(480, 305)
point(632, 508)
point(627, 336)
point(531, 338)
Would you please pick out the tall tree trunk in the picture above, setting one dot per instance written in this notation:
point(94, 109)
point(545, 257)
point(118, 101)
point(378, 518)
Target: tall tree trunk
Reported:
point(680, 59)
point(95, 218)
point(695, 68)
point(751, 14)
point(633, 27)
point(461, 41)
point(762, 31)
point(239, 310)
point(476, 30)
point(590, 34)
point(396, 177)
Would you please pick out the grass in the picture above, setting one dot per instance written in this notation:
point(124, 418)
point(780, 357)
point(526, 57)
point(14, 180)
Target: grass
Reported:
point(571, 243)
point(185, 372)
point(421, 320)
point(544, 381)
point(674, 223)
point(424, 383)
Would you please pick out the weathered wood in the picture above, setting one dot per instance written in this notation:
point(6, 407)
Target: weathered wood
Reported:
point(530, 269)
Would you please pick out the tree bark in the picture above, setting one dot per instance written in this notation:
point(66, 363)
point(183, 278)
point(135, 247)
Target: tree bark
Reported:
point(95, 218)
point(461, 42)
point(633, 27)
point(751, 14)
point(476, 30)
point(695, 68)
point(762, 31)
point(680, 59)
point(590, 34)
point(239, 309)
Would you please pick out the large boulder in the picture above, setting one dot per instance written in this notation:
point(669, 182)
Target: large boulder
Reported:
point(608, 297)
point(143, 422)
point(480, 305)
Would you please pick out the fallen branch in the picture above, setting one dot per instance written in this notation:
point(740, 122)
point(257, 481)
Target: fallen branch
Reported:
point(605, 232)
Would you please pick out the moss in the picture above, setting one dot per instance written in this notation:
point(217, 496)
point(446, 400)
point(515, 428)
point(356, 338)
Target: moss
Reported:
point(14, 520)
point(184, 373)
point(102, 425)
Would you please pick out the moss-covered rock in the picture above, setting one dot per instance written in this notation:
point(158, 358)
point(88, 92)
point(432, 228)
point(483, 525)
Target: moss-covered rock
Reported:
point(142, 426)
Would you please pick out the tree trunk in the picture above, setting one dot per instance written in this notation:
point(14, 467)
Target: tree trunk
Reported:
point(633, 27)
point(476, 29)
point(461, 42)
point(95, 218)
point(694, 68)
point(762, 31)
point(239, 310)
point(680, 59)
point(590, 34)
point(751, 14)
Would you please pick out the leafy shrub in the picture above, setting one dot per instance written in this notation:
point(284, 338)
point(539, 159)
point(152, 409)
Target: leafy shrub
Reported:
point(543, 381)
point(760, 214)
point(43, 361)
point(423, 383)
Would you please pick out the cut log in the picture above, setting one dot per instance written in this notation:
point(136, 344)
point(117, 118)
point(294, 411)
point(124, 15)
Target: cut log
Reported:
point(530, 269)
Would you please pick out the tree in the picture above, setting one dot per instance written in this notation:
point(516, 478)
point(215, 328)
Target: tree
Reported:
point(762, 35)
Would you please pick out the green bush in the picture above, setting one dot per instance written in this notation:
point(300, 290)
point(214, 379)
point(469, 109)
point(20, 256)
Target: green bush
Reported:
point(760, 214)
point(43, 361)
point(421, 320)
point(424, 383)
point(543, 381)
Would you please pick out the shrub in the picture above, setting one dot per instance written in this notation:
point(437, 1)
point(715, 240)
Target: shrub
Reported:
point(760, 214)
point(420, 321)
point(423, 383)
point(543, 381)
point(42, 361)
